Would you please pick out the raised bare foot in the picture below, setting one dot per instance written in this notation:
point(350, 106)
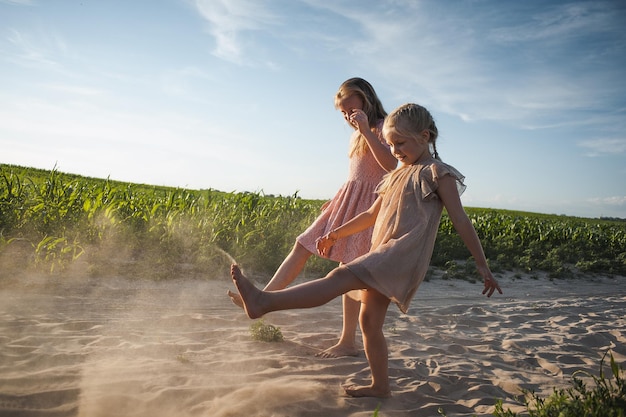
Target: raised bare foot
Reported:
point(338, 351)
point(235, 298)
point(366, 391)
point(250, 295)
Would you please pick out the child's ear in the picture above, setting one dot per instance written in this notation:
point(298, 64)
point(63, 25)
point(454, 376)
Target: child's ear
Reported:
point(425, 135)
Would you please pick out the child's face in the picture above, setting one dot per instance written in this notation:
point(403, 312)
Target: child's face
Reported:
point(408, 150)
point(349, 105)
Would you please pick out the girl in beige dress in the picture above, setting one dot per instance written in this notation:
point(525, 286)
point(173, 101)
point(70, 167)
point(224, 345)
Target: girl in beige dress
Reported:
point(406, 217)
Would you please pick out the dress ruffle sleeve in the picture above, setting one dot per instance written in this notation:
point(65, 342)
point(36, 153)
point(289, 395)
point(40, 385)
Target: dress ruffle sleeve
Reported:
point(429, 179)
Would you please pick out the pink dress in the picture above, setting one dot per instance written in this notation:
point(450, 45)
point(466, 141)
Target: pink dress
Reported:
point(405, 231)
point(355, 196)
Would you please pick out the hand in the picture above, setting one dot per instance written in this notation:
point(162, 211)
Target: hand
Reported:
point(490, 282)
point(358, 119)
point(324, 244)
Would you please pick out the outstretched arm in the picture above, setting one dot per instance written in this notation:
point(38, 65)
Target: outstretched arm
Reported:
point(449, 195)
point(357, 224)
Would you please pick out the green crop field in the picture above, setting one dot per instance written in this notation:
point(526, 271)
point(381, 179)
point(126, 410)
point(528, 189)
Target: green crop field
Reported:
point(56, 222)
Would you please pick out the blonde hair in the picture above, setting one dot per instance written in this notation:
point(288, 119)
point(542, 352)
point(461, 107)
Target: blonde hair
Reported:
point(372, 107)
point(410, 120)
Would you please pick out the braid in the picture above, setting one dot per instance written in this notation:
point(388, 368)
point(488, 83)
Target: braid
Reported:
point(435, 153)
point(434, 134)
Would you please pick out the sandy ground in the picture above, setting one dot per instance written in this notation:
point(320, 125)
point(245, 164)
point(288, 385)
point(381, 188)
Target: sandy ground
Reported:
point(180, 348)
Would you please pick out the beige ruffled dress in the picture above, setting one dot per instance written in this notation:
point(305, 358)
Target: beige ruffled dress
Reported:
point(405, 231)
point(356, 195)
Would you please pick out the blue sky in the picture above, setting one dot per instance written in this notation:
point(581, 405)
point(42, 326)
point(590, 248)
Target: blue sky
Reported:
point(237, 95)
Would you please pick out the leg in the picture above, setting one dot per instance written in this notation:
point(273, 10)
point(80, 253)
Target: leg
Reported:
point(291, 267)
point(289, 270)
point(309, 294)
point(346, 346)
point(373, 312)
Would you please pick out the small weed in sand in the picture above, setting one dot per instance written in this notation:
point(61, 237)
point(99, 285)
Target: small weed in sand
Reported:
point(265, 332)
point(182, 358)
point(606, 399)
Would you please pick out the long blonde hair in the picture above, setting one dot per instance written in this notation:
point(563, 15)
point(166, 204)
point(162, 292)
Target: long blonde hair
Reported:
point(372, 107)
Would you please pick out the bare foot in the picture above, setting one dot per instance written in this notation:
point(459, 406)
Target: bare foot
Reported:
point(250, 295)
point(235, 298)
point(367, 391)
point(338, 351)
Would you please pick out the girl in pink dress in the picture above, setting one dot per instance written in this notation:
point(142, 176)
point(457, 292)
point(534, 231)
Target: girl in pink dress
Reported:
point(405, 217)
point(370, 160)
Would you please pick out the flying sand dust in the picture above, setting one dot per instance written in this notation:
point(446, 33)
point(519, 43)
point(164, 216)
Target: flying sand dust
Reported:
point(74, 344)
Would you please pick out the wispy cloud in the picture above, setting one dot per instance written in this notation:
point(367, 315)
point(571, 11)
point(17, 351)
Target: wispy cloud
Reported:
point(18, 2)
point(75, 90)
point(615, 201)
point(604, 146)
point(487, 66)
point(229, 20)
point(25, 52)
point(558, 24)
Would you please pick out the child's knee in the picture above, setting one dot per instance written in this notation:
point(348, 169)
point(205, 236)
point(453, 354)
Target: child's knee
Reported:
point(370, 321)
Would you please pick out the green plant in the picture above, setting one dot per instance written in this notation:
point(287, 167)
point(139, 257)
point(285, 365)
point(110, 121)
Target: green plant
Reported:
point(263, 332)
point(164, 232)
point(134, 229)
point(57, 252)
point(607, 397)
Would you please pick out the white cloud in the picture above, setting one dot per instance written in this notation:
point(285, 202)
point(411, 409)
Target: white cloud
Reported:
point(25, 53)
point(557, 24)
point(74, 90)
point(617, 201)
point(18, 2)
point(228, 19)
point(455, 71)
point(604, 146)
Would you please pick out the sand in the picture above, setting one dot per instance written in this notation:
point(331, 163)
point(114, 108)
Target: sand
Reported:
point(180, 348)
